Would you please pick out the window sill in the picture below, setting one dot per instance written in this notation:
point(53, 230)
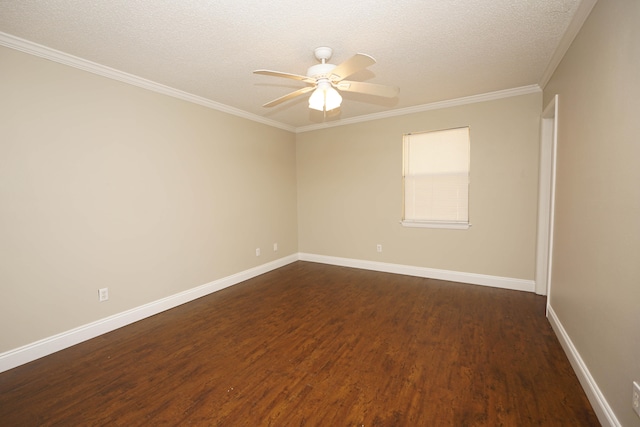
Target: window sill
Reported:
point(436, 224)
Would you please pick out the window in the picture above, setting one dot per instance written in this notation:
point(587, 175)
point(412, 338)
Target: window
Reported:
point(435, 178)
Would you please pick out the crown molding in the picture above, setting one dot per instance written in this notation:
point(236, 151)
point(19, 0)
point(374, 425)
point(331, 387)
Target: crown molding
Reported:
point(490, 96)
point(579, 18)
point(45, 52)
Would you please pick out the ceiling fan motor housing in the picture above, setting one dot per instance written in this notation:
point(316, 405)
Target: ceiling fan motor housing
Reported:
point(320, 70)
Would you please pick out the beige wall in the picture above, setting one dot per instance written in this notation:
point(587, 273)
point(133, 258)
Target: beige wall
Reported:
point(595, 288)
point(350, 191)
point(103, 184)
point(108, 185)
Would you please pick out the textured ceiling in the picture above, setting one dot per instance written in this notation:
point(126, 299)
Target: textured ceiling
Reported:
point(433, 50)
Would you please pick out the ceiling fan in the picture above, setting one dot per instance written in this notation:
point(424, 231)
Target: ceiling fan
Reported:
point(324, 78)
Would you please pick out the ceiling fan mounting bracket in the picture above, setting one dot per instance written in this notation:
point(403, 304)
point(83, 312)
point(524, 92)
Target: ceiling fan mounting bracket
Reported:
point(323, 53)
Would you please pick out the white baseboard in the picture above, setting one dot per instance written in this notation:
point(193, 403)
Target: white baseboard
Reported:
point(598, 402)
point(44, 347)
point(431, 273)
point(49, 345)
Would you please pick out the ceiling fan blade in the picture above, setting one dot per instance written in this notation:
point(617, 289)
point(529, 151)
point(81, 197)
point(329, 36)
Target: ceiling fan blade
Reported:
point(289, 96)
point(368, 88)
point(357, 62)
point(285, 75)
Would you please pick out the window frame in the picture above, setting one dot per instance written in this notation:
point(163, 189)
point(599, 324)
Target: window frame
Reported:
point(431, 223)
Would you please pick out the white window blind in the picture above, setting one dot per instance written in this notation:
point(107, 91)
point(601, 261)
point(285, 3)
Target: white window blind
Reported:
point(436, 178)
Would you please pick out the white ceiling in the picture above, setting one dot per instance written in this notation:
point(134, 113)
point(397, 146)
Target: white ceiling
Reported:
point(433, 50)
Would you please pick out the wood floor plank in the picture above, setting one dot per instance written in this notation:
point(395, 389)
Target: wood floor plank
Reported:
point(314, 345)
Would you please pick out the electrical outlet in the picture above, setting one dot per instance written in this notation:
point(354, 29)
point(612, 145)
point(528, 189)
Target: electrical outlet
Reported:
point(103, 294)
point(379, 247)
point(635, 401)
point(257, 251)
point(275, 247)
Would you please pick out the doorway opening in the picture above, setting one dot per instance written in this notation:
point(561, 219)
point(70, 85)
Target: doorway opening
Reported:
point(546, 197)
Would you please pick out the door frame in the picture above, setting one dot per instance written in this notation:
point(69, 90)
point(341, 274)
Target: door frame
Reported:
point(546, 197)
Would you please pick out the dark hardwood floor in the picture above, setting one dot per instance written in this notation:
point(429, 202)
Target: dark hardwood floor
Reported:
point(314, 345)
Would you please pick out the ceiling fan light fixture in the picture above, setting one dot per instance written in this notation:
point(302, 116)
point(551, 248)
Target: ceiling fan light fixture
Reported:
point(333, 99)
point(325, 98)
point(323, 79)
point(316, 100)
